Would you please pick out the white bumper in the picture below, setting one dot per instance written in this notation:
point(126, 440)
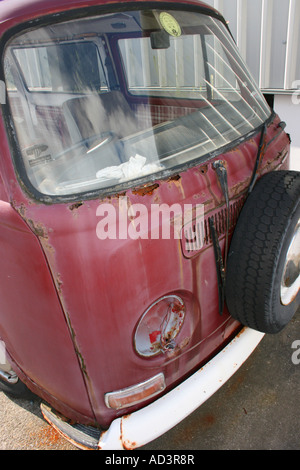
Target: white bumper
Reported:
point(143, 426)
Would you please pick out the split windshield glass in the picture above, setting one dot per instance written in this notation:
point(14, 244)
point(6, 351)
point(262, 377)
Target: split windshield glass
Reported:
point(102, 101)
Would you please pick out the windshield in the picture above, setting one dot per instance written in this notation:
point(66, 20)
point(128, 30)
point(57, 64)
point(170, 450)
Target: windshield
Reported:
point(106, 100)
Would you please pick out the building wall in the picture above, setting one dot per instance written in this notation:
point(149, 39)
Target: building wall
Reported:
point(267, 33)
point(289, 111)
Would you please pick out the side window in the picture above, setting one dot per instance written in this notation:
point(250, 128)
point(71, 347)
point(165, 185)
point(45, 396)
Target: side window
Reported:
point(191, 64)
point(34, 64)
point(69, 67)
point(178, 65)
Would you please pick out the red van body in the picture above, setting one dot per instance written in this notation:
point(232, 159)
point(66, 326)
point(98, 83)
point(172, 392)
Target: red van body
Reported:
point(81, 319)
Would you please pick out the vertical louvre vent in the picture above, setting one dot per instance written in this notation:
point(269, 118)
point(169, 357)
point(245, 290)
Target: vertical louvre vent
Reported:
point(196, 235)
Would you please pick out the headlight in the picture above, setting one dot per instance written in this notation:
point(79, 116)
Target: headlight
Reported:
point(159, 326)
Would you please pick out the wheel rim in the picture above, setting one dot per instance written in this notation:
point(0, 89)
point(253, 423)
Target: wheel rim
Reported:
point(290, 283)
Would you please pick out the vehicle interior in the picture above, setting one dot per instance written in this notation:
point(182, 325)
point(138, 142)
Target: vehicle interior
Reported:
point(108, 99)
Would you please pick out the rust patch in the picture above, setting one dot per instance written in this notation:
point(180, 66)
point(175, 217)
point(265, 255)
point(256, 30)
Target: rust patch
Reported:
point(203, 169)
point(174, 178)
point(21, 209)
point(59, 283)
point(102, 438)
point(123, 194)
point(127, 445)
point(177, 181)
point(75, 206)
point(145, 190)
point(47, 437)
point(240, 333)
point(38, 228)
point(238, 188)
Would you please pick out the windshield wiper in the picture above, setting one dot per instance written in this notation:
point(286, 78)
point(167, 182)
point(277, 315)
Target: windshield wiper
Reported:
point(221, 262)
point(259, 157)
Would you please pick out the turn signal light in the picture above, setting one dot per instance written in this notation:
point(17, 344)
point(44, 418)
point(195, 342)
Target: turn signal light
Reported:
point(135, 394)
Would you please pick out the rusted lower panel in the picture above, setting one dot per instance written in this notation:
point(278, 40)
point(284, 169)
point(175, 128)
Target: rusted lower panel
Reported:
point(32, 323)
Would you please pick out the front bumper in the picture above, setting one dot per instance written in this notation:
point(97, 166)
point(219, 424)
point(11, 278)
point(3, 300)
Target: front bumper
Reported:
point(143, 426)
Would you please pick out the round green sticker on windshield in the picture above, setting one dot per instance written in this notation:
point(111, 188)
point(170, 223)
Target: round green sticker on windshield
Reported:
point(170, 24)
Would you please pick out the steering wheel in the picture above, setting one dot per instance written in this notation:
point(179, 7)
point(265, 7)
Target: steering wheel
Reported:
point(98, 140)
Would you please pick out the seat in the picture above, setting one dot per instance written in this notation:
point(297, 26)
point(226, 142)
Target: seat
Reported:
point(99, 113)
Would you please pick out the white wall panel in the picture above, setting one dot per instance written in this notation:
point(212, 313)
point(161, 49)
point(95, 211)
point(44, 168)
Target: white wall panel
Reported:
point(267, 34)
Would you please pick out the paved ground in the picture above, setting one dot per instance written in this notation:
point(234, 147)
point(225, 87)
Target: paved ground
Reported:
point(259, 408)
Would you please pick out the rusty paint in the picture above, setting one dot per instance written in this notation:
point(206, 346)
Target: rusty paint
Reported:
point(20, 209)
point(110, 198)
point(75, 206)
point(117, 196)
point(174, 178)
point(58, 283)
point(57, 433)
point(240, 333)
point(102, 438)
point(126, 444)
point(76, 347)
point(147, 189)
point(203, 169)
point(47, 436)
point(178, 349)
point(272, 165)
point(208, 186)
point(38, 228)
point(180, 187)
point(236, 189)
point(129, 445)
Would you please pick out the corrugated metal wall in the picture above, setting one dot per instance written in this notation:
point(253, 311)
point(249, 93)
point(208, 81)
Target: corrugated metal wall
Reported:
point(267, 34)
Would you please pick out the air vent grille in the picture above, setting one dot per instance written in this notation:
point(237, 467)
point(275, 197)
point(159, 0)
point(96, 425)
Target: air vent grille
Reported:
point(196, 235)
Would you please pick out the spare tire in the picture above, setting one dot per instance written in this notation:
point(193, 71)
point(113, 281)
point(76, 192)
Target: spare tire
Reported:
point(263, 266)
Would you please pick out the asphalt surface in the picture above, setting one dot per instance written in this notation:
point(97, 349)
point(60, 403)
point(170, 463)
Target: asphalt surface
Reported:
point(257, 409)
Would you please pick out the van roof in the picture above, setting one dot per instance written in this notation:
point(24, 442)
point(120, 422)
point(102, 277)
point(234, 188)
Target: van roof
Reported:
point(14, 12)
